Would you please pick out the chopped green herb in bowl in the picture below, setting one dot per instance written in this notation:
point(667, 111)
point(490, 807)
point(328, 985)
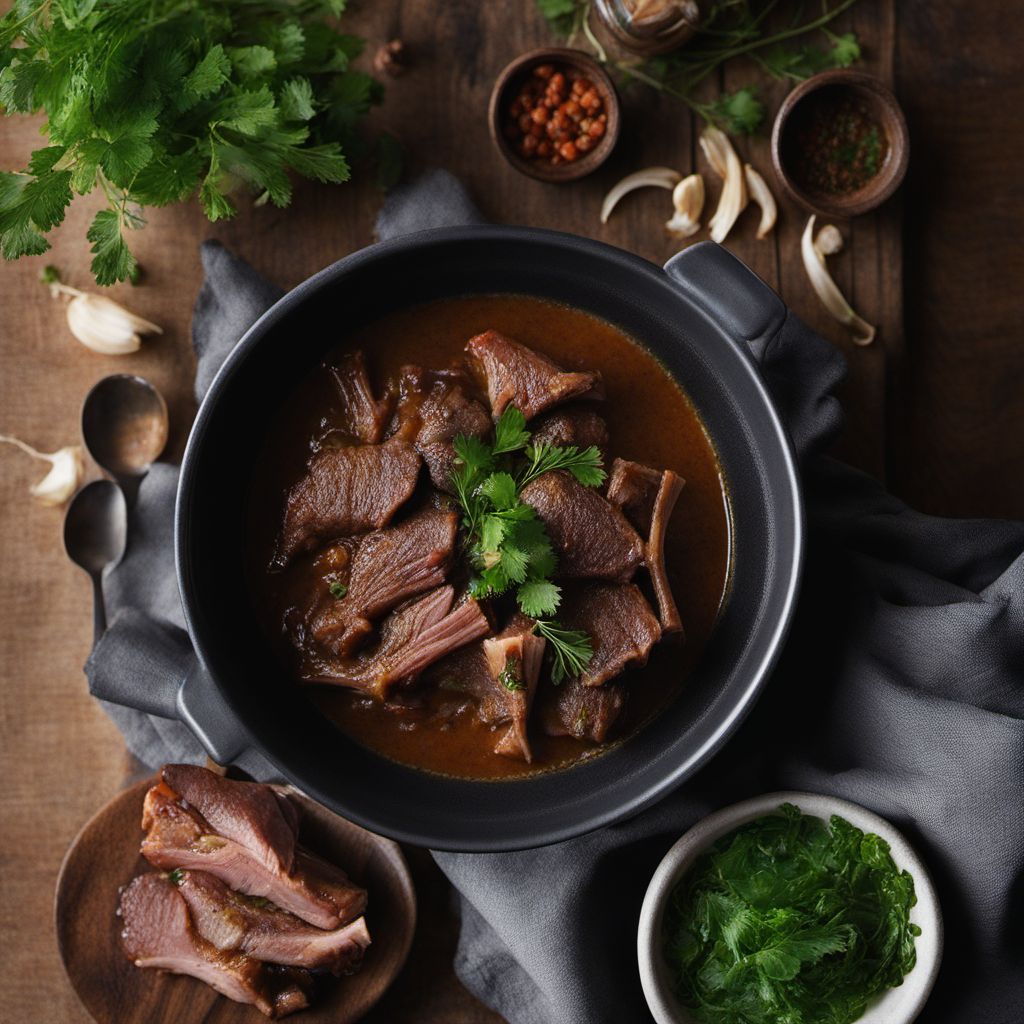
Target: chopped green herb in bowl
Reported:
point(774, 913)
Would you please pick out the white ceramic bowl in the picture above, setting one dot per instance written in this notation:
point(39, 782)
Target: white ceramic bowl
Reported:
point(896, 1006)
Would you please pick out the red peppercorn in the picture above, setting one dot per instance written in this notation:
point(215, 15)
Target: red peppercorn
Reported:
point(567, 150)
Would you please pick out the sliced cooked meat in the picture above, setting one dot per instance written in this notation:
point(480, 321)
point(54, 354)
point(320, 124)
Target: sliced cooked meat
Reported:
point(177, 836)
point(347, 491)
point(413, 638)
point(648, 498)
point(592, 538)
point(574, 425)
point(388, 566)
point(158, 932)
point(365, 416)
point(586, 712)
point(516, 375)
point(255, 816)
point(619, 621)
point(513, 661)
point(434, 409)
point(236, 923)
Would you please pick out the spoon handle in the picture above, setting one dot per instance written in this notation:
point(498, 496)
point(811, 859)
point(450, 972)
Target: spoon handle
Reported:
point(99, 609)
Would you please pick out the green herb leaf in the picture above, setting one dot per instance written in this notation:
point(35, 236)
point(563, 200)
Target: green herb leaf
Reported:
point(789, 919)
point(338, 589)
point(571, 649)
point(175, 876)
point(500, 490)
point(49, 274)
point(584, 465)
point(154, 100)
point(510, 433)
point(511, 676)
point(538, 597)
point(738, 113)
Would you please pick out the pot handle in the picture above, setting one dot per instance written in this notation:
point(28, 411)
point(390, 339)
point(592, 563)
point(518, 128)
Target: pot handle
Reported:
point(730, 293)
point(148, 665)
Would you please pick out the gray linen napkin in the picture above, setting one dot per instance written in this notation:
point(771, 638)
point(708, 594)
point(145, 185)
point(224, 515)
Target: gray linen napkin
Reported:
point(901, 688)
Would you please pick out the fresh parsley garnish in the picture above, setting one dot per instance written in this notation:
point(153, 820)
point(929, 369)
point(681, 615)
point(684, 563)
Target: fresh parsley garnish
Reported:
point(506, 544)
point(788, 918)
point(153, 101)
point(337, 589)
point(175, 876)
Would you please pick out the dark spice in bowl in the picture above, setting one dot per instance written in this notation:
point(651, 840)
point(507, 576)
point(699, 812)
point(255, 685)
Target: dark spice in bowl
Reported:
point(834, 142)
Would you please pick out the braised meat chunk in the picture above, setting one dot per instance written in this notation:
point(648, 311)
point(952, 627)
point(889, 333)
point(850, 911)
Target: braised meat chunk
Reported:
point(158, 932)
point(364, 416)
point(619, 621)
point(347, 491)
point(434, 409)
point(574, 425)
point(519, 376)
point(585, 712)
point(648, 499)
point(387, 567)
point(235, 923)
point(592, 538)
point(178, 836)
point(418, 634)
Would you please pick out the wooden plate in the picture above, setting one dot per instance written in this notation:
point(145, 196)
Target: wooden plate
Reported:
point(105, 856)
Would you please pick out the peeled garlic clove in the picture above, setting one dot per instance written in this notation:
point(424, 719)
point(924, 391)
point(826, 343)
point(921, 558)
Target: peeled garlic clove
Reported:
point(67, 467)
point(657, 177)
point(724, 161)
point(761, 195)
point(102, 324)
point(688, 200)
point(827, 290)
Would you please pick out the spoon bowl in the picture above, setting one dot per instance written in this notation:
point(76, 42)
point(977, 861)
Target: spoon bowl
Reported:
point(96, 526)
point(124, 425)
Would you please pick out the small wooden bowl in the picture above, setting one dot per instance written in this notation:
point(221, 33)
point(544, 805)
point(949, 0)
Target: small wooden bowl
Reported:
point(105, 856)
point(886, 110)
point(501, 96)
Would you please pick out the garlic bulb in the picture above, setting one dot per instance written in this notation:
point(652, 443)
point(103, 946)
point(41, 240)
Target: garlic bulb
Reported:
point(814, 250)
point(761, 195)
point(688, 200)
point(658, 177)
point(67, 467)
point(726, 164)
point(102, 324)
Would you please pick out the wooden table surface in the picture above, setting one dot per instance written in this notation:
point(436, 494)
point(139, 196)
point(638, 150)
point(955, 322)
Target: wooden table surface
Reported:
point(938, 409)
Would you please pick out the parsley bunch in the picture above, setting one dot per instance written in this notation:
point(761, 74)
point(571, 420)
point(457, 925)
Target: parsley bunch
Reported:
point(728, 29)
point(507, 545)
point(790, 919)
point(152, 100)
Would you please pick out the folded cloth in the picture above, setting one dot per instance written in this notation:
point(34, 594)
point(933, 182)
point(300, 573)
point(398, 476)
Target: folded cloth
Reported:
point(901, 688)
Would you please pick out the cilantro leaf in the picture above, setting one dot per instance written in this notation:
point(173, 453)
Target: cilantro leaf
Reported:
point(739, 112)
point(510, 433)
point(296, 100)
point(544, 458)
point(206, 77)
point(500, 490)
point(112, 259)
point(538, 598)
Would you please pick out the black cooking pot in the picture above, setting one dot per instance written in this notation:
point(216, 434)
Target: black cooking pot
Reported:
point(699, 316)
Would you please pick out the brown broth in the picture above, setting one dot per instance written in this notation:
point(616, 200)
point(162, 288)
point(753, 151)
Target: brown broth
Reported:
point(650, 420)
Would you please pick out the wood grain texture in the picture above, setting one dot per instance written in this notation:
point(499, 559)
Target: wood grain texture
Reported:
point(105, 857)
point(945, 413)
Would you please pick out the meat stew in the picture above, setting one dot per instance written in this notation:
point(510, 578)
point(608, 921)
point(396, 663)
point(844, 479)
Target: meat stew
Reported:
point(358, 560)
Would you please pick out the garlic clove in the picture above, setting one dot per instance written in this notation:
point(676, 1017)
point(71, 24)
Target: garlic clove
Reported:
point(67, 468)
point(63, 479)
point(726, 164)
point(688, 200)
point(826, 289)
point(761, 195)
point(829, 240)
point(103, 325)
point(656, 177)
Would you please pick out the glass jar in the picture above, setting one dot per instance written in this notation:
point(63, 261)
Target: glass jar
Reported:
point(643, 28)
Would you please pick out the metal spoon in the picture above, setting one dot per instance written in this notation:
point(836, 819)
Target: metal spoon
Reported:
point(95, 533)
point(124, 426)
